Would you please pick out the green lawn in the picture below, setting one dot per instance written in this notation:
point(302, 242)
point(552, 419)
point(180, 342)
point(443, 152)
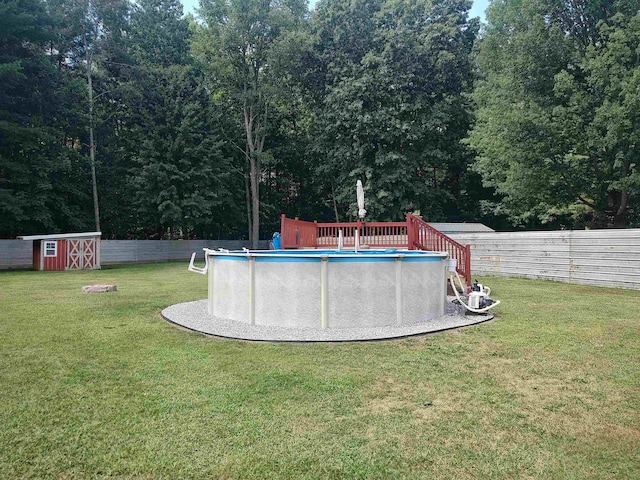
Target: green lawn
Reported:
point(100, 386)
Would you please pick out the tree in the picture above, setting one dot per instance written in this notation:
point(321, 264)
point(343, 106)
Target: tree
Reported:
point(159, 36)
point(101, 26)
point(599, 117)
point(175, 165)
point(237, 45)
point(179, 171)
point(41, 184)
point(391, 105)
point(556, 129)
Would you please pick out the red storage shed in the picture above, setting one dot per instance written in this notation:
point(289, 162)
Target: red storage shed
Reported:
point(66, 251)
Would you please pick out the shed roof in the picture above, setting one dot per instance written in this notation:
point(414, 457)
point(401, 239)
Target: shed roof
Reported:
point(448, 228)
point(60, 236)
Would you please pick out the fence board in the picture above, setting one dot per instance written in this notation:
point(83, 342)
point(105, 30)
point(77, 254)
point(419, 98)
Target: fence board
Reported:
point(595, 257)
point(16, 254)
point(149, 251)
point(592, 257)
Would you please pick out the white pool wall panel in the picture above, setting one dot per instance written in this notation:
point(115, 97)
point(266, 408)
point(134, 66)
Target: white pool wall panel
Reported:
point(231, 289)
point(423, 291)
point(361, 294)
point(317, 290)
point(287, 293)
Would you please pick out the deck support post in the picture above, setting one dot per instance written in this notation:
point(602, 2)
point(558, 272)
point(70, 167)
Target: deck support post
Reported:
point(410, 242)
point(467, 264)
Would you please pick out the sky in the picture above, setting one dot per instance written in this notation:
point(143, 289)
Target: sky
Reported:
point(477, 10)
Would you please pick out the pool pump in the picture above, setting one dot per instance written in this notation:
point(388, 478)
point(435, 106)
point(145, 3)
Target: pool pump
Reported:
point(478, 300)
point(479, 296)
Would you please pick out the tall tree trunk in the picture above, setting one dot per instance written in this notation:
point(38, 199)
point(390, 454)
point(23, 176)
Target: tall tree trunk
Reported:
point(247, 191)
point(335, 204)
point(94, 183)
point(620, 213)
point(255, 203)
point(254, 143)
point(92, 144)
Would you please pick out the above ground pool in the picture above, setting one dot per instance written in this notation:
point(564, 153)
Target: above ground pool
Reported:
point(322, 295)
point(326, 288)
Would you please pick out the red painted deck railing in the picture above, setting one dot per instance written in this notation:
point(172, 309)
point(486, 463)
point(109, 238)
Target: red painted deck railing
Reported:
point(413, 234)
point(373, 234)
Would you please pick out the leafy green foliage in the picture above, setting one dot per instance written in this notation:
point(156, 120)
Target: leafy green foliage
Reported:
point(170, 164)
point(238, 44)
point(41, 176)
point(159, 34)
point(215, 127)
point(556, 120)
point(392, 108)
point(178, 169)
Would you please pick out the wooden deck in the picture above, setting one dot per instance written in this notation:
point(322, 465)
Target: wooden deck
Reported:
point(412, 234)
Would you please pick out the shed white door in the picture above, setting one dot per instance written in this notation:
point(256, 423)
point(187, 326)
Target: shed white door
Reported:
point(82, 253)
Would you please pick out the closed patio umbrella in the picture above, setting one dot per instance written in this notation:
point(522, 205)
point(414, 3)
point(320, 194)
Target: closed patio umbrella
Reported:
point(361, 211)
point(360, 195)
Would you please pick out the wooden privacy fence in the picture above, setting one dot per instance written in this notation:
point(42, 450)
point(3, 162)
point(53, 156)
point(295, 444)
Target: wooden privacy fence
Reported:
point(607, 258)
point(17, 254)
point(412, 234)
point(594, 257)
point(150, 251)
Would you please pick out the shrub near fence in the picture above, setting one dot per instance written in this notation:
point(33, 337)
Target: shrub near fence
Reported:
point(16, 254)
point(609, 258)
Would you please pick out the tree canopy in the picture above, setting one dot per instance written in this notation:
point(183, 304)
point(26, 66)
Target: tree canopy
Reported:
point(557, 119)
point(154, 124)
point(392, 110)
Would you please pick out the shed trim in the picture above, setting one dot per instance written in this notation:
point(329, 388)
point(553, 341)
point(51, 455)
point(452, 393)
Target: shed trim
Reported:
point(60, 236)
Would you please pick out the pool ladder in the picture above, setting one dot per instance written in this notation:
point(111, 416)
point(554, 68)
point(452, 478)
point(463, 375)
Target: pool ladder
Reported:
point(194, 269)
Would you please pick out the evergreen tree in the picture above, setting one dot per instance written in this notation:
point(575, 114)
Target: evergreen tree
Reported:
point(179, 169)
point(159, 36)
point(41, 187)
point(179, 172)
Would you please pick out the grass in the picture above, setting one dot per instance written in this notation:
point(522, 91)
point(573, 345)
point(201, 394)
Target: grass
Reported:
point(100, 386)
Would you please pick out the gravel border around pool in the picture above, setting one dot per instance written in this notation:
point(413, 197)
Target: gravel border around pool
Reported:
point(194, 316)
